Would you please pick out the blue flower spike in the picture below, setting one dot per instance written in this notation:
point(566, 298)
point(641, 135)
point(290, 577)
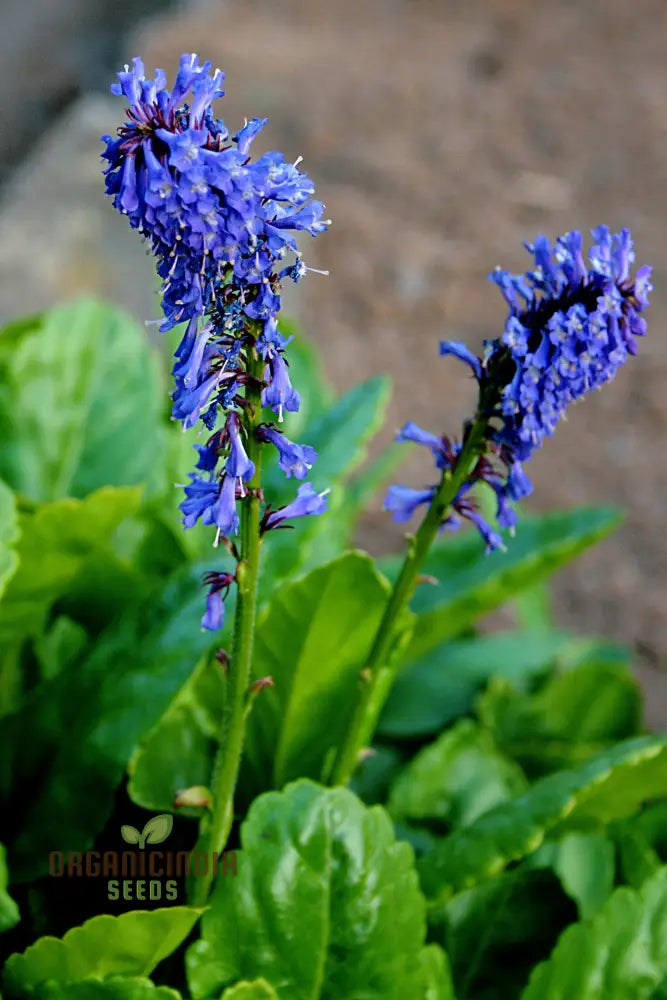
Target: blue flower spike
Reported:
point(222, 227)
point(572, 323)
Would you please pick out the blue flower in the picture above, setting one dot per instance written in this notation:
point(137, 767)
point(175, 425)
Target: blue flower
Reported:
point(308, 501)
point(445, 452)
point(571, 324)
point(208, 456)
point(576, 325)
point(200, 496)
point(245, 136)
point(492, 539)
point(212, 500)
point(270, 340)
point(279, 393)
point(293, 459)
point(214, 616)
point(238, 464)
point(220, 226)
point(218, 584)
point(403, 500)
point(188, 403)
point(460, 351)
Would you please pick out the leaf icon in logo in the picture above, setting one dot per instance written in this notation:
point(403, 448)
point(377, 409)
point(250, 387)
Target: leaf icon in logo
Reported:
point(157, 829)
point(130, 835)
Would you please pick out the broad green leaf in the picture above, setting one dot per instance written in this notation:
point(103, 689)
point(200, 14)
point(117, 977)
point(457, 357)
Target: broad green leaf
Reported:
point(340, 433)
point(258, 989)
point(574, 715)
point(611, 785)
point(313, 640)
point(533, 607)
point(637, 858)
point(307, 375)
point(80, 403)
point(375, 773)
point(9, 535)
point(84, 726)
point(584, 863)
point(131, 945)
point(621, 952)
point(57, 541)
point(325, 905)
point(9, 911)
point(442, 684)
point(178, 752)
point(496, 932)
point(437, 973)
point(340, 436)
point(642, 843)
point(111, 988)
point(455, 779)
point(471, 583)
point(59, 647)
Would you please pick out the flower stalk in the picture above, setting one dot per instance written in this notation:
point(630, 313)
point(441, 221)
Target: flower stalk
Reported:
point(380, 669)
point(233, 722)
point(570, 326)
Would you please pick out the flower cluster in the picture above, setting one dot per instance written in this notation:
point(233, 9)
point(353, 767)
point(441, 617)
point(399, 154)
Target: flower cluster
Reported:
point(571, 325)
point(222, 229)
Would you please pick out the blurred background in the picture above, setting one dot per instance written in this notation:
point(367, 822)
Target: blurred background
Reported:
point(441, 135)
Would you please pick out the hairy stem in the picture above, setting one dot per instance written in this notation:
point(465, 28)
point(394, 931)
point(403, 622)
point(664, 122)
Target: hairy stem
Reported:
point(232, 730)
point(380, 670)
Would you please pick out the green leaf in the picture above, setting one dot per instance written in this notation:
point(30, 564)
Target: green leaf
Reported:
point(80, 401)
point(57, 541)
point(326, 904)
point(313, 641)
point(131, 944)
point(637, 858)
point(574, 715)
point(585, 864)
point(341, 433)
point(611, 785)
point(441, 685)
point(112, 988)
point(437, 973)
point(59, 647)
point(533, 607)
point(9, 535)
point(375, 773)
point(495, 932)
point(105, 707)
point(178, 752)
point(340, 436)
point(642, 843)
point(258, 989)
point(9, 911)
point(471, 583)
point(456, 779)
point(621, 952)
point(307, 374)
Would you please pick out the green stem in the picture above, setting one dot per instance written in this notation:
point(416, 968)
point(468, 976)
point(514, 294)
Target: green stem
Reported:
point(380, 670)
point(232, 731)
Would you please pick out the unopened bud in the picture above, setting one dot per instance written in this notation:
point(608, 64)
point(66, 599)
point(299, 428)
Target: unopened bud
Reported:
point(196, 797)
